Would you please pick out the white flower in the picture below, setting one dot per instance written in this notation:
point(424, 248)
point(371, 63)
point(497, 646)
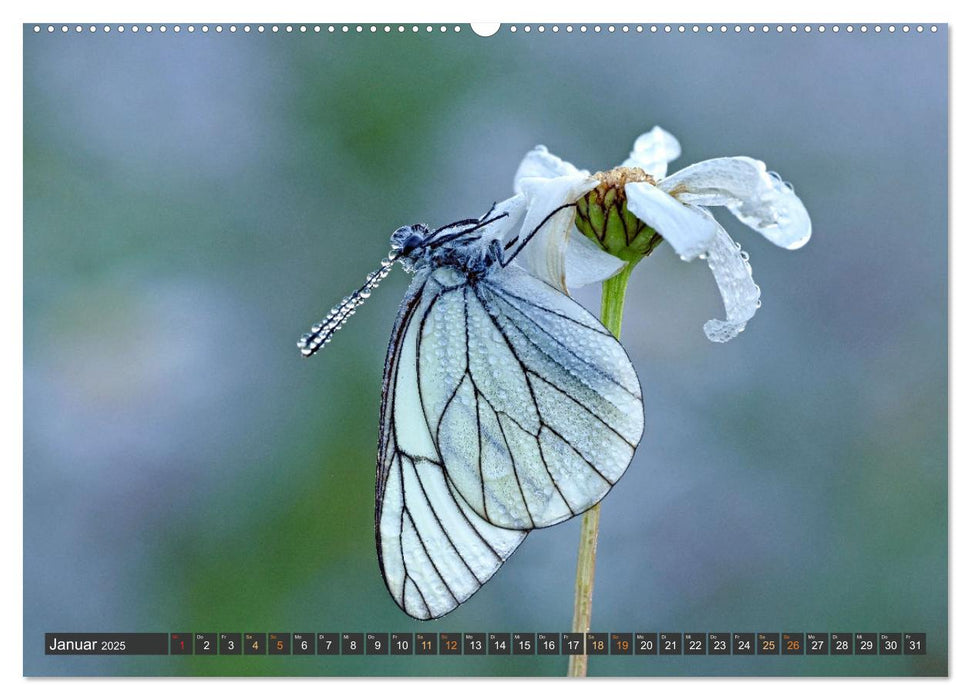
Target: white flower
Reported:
point(674, 206)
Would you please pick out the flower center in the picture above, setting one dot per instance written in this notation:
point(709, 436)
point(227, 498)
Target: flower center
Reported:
point(603, 217)
point(616, 179)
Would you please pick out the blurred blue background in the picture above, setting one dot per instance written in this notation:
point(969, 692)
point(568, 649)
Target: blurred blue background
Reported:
point(193, 203)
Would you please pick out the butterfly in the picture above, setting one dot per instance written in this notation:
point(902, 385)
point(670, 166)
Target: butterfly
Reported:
point(505, 407)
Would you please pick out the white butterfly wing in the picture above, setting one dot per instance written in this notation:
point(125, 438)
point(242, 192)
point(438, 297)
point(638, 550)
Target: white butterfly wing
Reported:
point(434, 550)
point(533, 406)
point(506, 406)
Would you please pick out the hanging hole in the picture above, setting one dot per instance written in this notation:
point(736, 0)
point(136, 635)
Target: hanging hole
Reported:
point(485, 28)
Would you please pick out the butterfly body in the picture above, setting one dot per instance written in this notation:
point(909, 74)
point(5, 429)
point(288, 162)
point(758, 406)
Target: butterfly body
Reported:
point(471, 253)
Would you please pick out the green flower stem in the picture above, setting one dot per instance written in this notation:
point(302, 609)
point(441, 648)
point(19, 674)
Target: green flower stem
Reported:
point(612, 295)
point(611, 314)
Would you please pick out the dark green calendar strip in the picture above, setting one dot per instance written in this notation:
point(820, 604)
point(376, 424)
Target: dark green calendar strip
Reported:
point(489, 643)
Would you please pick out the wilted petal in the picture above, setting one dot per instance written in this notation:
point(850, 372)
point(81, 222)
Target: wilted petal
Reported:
point(586, 262)
point(777, 213)
point(545, 254)
point(653, 151)
point(539, 162)
point(760, 200)
point(688, 229)
point(739, 292)
point(716, 182)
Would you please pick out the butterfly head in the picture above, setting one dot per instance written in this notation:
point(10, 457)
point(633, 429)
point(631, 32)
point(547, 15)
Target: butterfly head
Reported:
point(407, 239)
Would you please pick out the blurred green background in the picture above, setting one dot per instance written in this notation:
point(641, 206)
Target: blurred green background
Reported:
point(193, 203)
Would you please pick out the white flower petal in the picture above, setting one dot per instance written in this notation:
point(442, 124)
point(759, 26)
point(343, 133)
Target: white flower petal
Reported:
point(653, 151)
point(760, 200)
point(505, 228)
point(739, 292)
point(545, 254)
point(539, 162)
point(586, 262)
point(778, 214)
point(716, 182)
point(688, 229)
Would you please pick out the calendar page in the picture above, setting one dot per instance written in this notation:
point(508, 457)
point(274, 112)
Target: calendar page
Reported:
point(543, 349)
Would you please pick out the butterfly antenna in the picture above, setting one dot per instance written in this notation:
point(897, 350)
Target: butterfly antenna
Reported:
point(475, 223)
point(321, 333)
